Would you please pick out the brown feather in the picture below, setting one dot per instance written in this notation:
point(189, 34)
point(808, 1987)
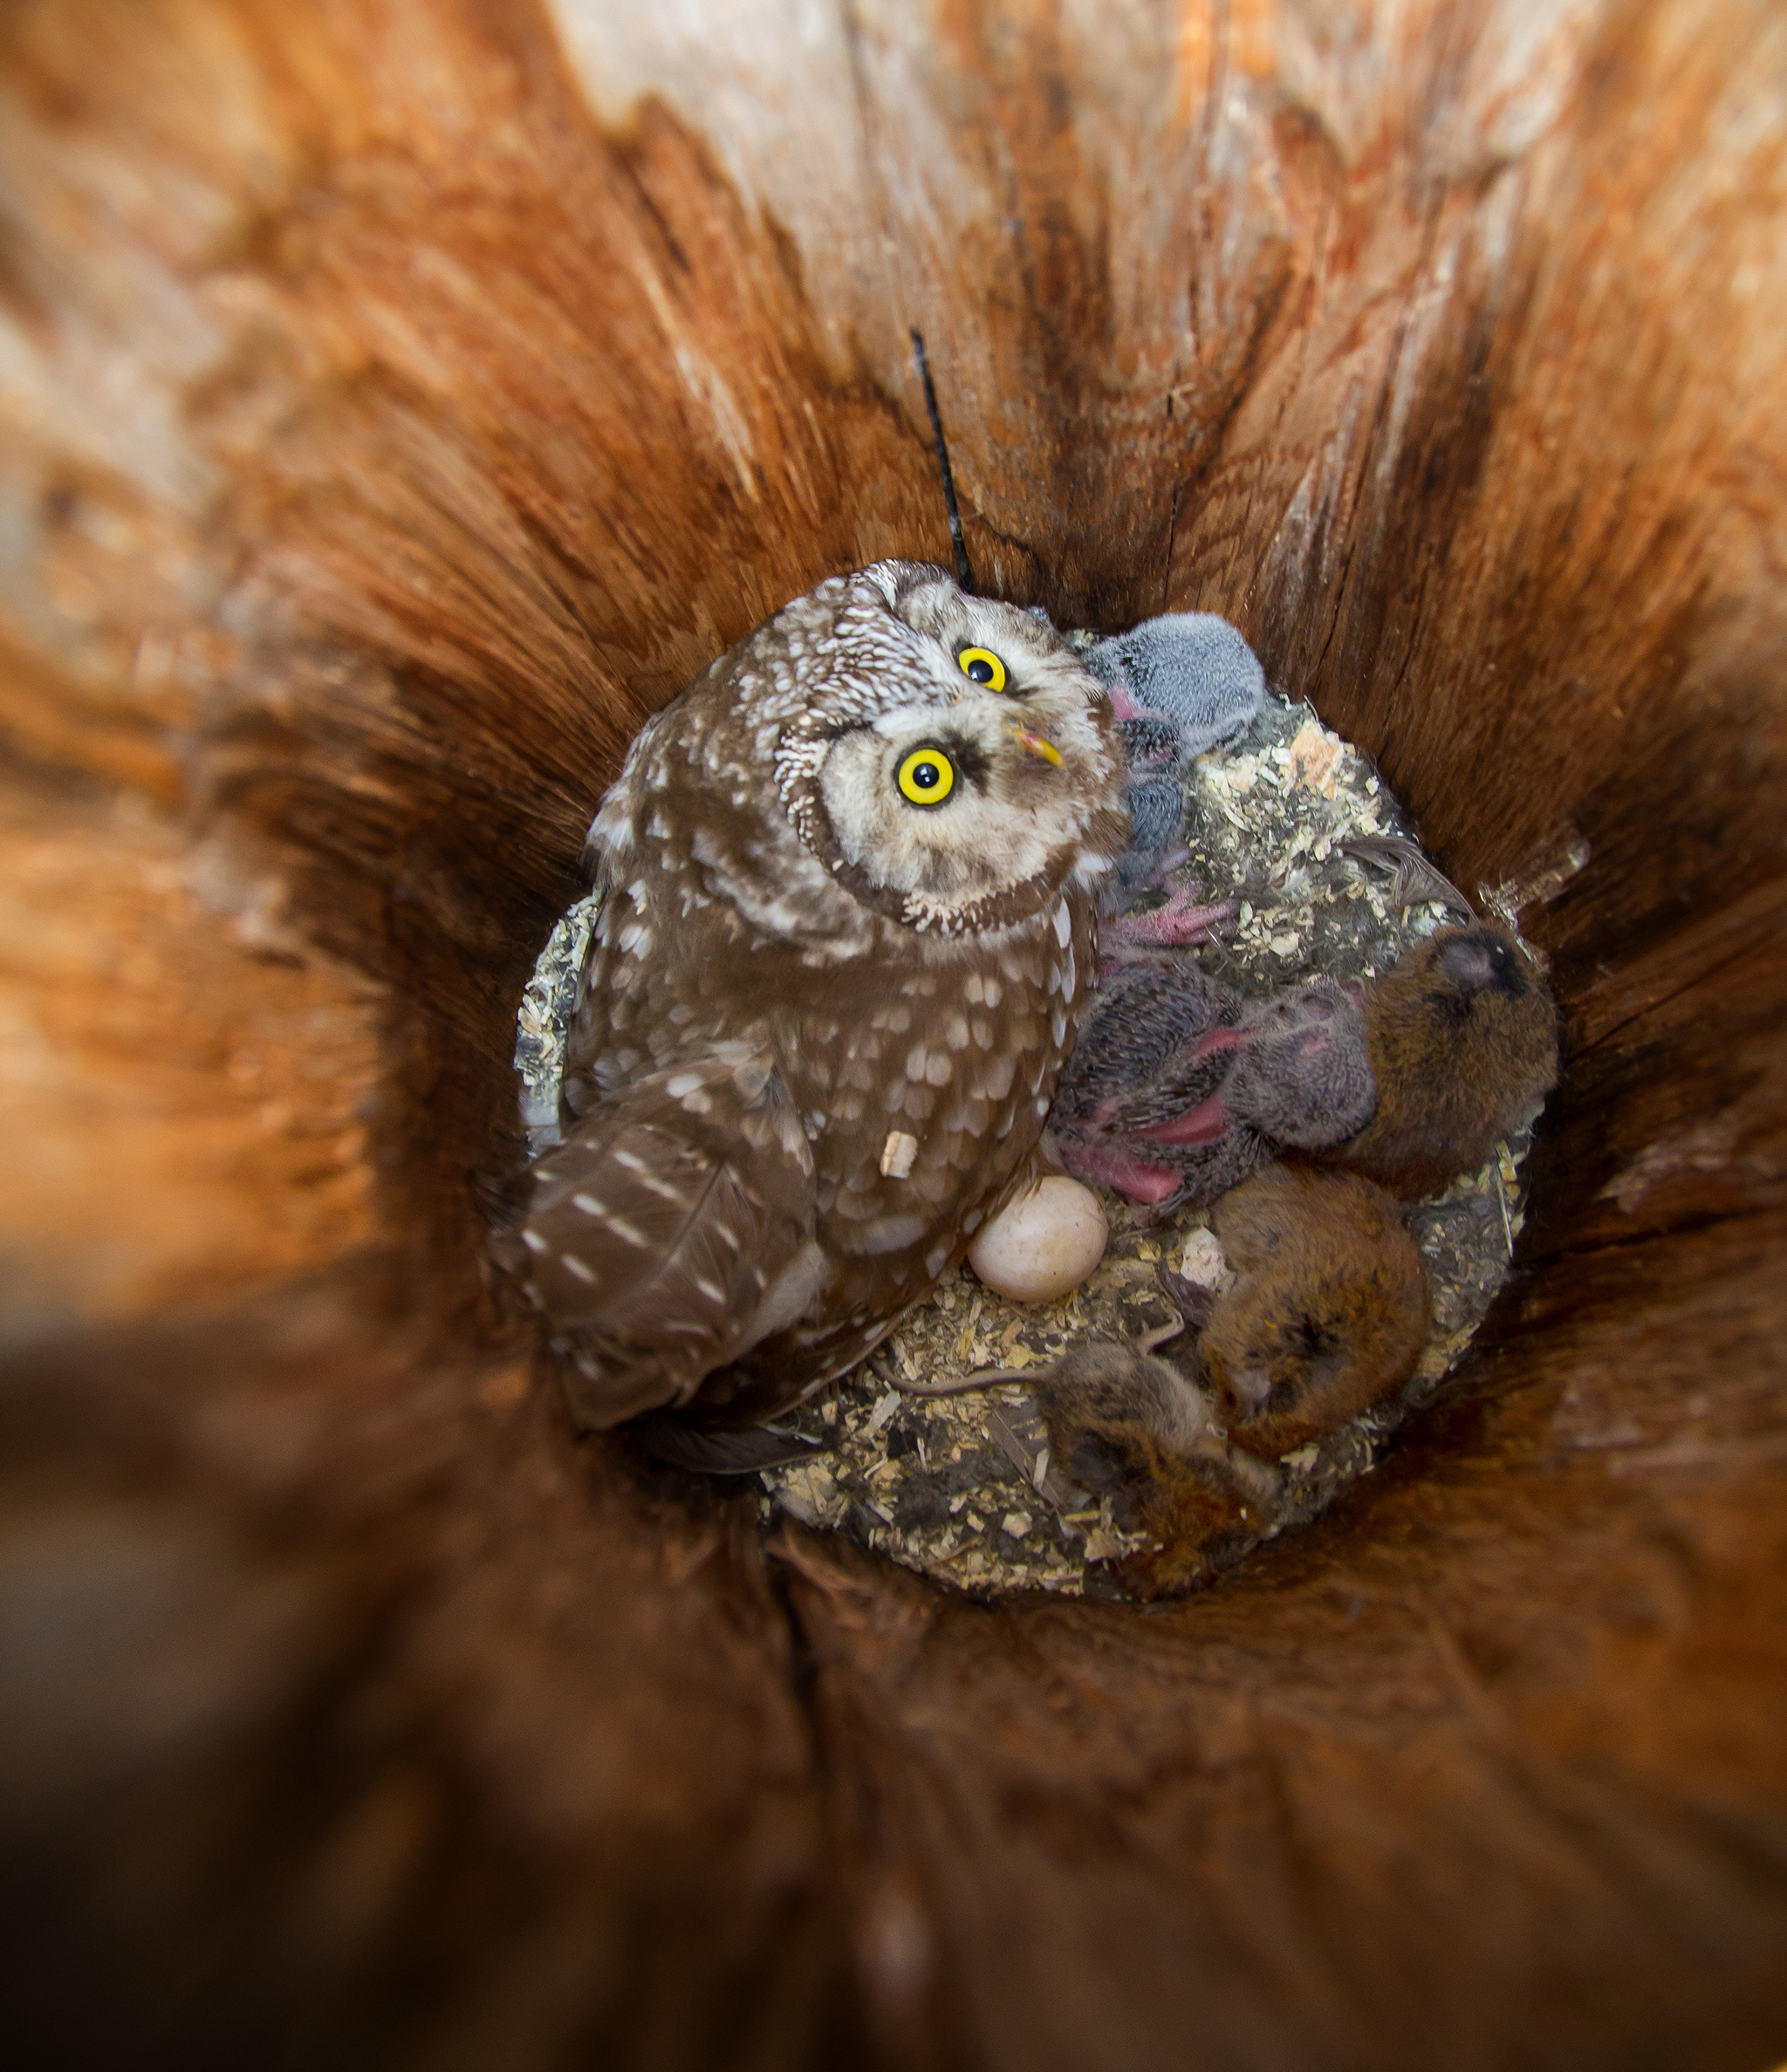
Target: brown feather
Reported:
point(915, 977)
point(1417, 880)
point(659, 1227)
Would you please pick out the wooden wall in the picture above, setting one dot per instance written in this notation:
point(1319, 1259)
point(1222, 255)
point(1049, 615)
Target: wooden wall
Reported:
point(399, 398)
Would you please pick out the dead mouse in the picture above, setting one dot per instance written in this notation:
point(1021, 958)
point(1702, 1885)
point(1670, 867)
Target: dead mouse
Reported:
point(1326, 1317)
point(1328, 1314)
point(1462, 1037)
point(1125, 1424)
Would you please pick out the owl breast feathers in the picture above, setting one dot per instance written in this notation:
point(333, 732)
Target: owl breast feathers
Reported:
point(846, 936)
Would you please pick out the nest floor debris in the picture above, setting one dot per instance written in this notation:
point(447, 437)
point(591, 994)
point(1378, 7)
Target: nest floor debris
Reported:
point(960, 1488)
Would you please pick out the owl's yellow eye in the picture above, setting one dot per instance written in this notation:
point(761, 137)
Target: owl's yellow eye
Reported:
point(926, 778)
point(984, 666)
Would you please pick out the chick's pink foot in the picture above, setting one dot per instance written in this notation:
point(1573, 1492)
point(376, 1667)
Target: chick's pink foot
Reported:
point(1108, 1166)
point(1180, 922)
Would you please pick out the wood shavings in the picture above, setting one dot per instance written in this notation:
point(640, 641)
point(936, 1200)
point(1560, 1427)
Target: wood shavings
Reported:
point(898, 1155)
point(1314, 755)
point(1202, 1263)
point(882, 1413)
point(544, 1018)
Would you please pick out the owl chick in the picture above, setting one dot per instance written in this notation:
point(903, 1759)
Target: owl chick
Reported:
point(1179, 684)
point(1156, 809)
point(847, 933)
point(1178, 1090)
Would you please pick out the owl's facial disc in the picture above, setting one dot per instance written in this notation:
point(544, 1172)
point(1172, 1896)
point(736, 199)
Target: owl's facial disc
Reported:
point(964, 766)
point(957, 800)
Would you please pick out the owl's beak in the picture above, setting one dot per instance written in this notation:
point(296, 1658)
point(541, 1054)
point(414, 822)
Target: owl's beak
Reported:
point(1033, 744)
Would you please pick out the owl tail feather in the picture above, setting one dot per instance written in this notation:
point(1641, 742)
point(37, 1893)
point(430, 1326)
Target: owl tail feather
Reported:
point(667, 1438)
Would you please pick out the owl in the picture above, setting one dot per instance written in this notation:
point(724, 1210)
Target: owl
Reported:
point(847, 933)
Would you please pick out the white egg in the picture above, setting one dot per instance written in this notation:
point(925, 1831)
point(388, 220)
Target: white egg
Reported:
point(1043, 1244)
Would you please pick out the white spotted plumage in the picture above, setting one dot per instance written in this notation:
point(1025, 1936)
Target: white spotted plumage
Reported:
point(820, 1021)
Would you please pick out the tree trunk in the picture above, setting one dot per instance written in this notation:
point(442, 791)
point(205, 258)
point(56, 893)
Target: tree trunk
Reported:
point(398, 399)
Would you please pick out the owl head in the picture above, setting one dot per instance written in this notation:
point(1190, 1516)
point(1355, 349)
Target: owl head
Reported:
point(943, 760)
point(959, 764)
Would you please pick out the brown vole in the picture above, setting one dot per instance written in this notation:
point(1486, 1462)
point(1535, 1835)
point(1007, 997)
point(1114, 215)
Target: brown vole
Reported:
point(1462, 1037)
point(1328, 1314)
point(1126, 1423)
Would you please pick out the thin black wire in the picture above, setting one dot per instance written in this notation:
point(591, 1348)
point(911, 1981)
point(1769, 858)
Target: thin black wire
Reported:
point(964, 575)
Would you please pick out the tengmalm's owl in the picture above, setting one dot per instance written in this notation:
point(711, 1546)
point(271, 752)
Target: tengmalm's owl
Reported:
point(847, 930)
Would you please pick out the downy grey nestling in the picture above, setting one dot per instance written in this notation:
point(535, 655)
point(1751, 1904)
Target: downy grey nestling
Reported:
point(1178, 1089)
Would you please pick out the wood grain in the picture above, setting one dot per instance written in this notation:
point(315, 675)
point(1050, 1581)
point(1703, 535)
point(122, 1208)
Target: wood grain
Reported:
point(400, 399)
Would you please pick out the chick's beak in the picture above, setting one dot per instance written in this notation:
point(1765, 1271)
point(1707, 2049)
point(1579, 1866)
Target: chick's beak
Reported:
point(1037, 745)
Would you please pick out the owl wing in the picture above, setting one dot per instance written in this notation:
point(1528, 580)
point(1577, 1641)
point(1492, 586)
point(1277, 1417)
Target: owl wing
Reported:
point(672, 1230)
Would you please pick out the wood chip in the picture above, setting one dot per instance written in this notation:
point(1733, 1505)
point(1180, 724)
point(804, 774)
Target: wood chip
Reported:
point(1314, 755)
point(897, 1154)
